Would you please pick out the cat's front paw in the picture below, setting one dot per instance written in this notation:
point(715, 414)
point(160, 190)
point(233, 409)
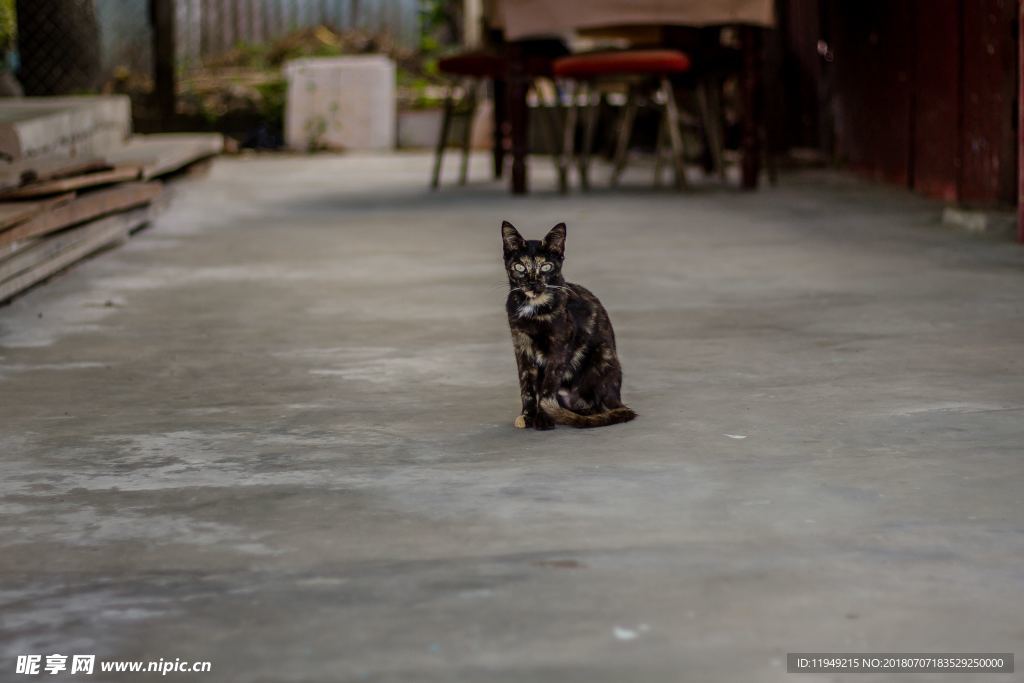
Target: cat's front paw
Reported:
point(520, 422)
point(543, 422)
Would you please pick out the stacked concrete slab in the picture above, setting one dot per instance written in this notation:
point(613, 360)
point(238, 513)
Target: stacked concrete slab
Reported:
point(63, 127)
point(74, 180)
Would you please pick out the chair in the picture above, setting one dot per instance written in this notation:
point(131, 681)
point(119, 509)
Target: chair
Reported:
point(470, 70)
point(639, 69)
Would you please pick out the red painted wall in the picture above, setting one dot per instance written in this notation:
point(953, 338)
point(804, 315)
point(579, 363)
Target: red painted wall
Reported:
point(988, 139)
point(937, 93)
point(919, 93)
point(873, 44)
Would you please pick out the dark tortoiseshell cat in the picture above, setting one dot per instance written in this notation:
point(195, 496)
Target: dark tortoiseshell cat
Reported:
point(565, 347)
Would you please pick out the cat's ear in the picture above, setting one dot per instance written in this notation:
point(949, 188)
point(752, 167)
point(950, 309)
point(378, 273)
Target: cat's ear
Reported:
point(511, 238)
point(555, 239)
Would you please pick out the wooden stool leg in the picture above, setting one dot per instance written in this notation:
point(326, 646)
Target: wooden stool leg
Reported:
point(719, 116)
point(624, 134)
point(518, 115)
point(674, 134)
point(685, 140)
point(770, 157)
point(568, 139)
point(500, 116)
point(713, 133)
point(467, 134)
point(555, 118)
point(442, 138)
point(550, 126)
point(659, 151)
point(583, 160)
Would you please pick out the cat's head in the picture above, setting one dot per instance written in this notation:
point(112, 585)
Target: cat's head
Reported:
point(533, 265)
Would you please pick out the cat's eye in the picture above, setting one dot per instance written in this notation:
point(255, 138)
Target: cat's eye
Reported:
point(547, 267)
point(519, 268)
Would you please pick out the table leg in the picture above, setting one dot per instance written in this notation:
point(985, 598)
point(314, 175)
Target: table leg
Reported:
point(518, 115)
point(750, 82)
point(500, 117)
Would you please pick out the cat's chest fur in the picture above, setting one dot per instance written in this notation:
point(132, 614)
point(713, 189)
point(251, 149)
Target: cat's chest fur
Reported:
point(539, 321)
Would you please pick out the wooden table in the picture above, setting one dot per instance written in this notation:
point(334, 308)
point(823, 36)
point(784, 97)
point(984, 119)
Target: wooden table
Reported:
point(529, 19)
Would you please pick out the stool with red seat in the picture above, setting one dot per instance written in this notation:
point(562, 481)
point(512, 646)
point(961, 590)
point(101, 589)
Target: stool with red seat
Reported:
point(639, 69)
point(470, 70)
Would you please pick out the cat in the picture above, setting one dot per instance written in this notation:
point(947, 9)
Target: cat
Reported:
point(569, 372)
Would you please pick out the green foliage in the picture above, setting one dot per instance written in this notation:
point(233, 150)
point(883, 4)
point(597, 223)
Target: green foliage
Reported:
point(246, 83)
point(252, 55)
point(318, 41)
point(430, 68)
point(8, 25)
point(315, 129)
point(273, 95)
point(429, 44)
point(439, 24)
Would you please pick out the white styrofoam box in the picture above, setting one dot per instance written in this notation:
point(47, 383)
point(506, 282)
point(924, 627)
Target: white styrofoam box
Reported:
point(63, 127)
point(340, 103)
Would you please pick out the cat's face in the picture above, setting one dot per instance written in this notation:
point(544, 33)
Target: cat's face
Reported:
point(533, 266)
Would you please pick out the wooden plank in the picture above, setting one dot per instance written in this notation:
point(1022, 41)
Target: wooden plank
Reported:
point(83, 208)
point(43, 249)
point(25, 171)
point(67, 126)
point(165, 153)
point(78, 182)
point(100, 234)
point(12, 213)
point(14, 247)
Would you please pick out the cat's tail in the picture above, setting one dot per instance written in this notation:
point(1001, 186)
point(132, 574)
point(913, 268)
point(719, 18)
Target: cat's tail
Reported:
point(564, 416)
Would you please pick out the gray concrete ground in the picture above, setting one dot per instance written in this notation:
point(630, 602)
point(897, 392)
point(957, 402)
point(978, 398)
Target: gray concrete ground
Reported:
point(275, 432)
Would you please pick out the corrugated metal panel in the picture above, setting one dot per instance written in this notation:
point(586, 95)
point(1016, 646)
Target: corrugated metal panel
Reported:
point(211, 27)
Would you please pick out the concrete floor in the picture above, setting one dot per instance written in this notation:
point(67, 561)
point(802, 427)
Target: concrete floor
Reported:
point(275, 432)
